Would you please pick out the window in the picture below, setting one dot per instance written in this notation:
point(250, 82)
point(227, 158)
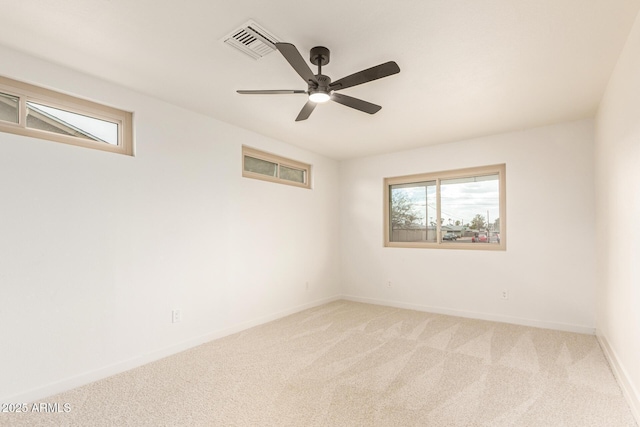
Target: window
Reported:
point(41, 113)
point(269, 167)
point(458, 209)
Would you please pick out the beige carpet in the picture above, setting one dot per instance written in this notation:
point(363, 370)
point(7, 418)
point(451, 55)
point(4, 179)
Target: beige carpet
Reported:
point(351, 364)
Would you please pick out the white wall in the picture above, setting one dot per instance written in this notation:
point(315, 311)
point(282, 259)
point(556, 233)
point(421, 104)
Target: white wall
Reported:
point(96, 248)
point(618, 197)
point(548, 266)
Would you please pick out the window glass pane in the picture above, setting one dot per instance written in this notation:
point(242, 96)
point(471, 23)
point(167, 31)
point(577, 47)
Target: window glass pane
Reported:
point(470, 209)
point(413, 212)
point(263, 167)
point(64, 122)
point(291, 174)
point(9, 108)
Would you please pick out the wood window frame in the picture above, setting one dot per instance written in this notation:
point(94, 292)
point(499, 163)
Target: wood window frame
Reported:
point(26, 92)
point(499, 169)
point(280, 161)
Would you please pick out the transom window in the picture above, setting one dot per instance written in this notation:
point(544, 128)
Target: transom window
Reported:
point(458, 209)
point(270, 167)
point(41, 113)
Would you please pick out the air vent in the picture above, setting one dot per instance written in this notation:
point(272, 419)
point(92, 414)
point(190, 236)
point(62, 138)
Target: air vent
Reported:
point(252, 40)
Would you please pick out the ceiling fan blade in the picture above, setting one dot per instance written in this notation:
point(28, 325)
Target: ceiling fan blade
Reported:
point(306, 111)
point(269, 92)
point(364, 76)
point(356, 103)
point(292, 55)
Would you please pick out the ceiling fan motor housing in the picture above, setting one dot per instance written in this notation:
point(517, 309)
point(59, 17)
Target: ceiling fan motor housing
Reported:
point(322, 87)
point(323, 83)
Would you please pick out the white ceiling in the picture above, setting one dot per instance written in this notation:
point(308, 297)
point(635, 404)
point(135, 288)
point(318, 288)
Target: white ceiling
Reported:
point(468, 67)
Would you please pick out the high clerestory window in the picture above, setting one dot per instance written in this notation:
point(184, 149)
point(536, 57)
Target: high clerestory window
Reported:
point(42, 113)
point(270, 167)
point(457, 209)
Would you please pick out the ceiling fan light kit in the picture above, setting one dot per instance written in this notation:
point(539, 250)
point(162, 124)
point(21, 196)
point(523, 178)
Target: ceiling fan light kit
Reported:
point(319, 97)
point(320, 88)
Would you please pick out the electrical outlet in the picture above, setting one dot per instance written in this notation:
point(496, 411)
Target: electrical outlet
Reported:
point(389, 284)
point(307, 286)
point(176, 316)
point(505, 294)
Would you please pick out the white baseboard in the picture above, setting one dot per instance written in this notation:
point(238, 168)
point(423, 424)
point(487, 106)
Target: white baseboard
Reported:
point(66, 384)
point(475, 315)
point(628, 389)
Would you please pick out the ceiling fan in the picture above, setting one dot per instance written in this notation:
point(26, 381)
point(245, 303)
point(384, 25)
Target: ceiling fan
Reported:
point(320, 87)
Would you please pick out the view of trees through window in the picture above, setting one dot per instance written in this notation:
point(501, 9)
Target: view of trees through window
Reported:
point(454, 210)
point(413, 206)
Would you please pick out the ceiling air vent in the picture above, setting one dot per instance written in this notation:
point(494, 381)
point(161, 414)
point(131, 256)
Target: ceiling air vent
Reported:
point(252, 40)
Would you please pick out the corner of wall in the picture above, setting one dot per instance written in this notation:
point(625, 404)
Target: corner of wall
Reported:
point(631, 394)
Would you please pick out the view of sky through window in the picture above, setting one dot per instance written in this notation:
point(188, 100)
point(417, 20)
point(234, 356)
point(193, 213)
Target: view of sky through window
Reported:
point(101, 130)
point(462, 199)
